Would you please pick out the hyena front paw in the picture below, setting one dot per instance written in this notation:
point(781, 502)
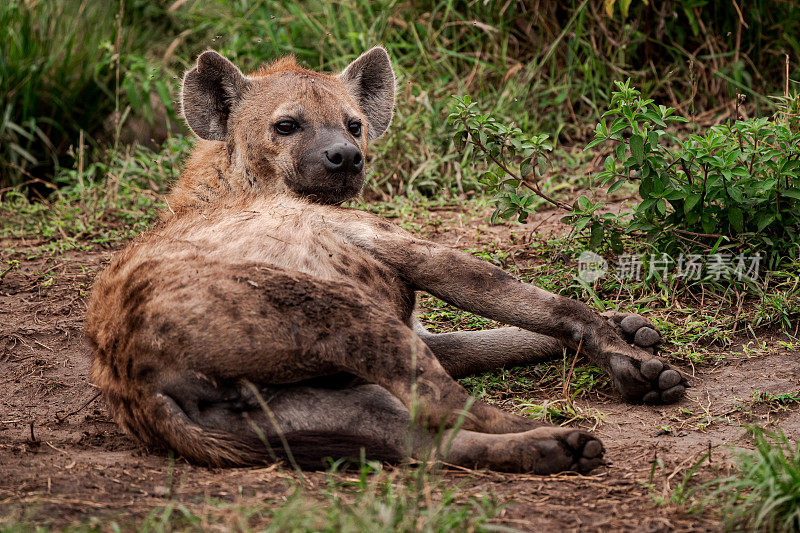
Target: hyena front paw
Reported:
point(651, 381)
point(635, 329)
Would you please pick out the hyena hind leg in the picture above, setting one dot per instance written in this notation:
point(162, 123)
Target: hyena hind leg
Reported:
point(367, 417)
point(308, 328)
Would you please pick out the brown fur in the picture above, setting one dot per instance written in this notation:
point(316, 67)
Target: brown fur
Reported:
point(253, 317)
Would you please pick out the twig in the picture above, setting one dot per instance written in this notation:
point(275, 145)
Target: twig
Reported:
point(33, 439)
point(568, 379)
point(786, 78)
point(739, 12)
point(685, 232)
point(76, 411)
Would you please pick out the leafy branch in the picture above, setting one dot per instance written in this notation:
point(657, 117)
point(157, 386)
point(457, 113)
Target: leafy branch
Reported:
point(516, 158)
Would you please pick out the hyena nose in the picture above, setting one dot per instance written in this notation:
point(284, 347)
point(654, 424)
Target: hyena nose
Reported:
point(343, 157)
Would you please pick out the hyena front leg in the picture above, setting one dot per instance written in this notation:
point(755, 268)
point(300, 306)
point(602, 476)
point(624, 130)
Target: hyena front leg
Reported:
point(479, 287)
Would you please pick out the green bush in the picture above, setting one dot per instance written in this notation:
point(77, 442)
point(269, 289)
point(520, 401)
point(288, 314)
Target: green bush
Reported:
point(734, 186)
point(515, 159)
point(736, 183)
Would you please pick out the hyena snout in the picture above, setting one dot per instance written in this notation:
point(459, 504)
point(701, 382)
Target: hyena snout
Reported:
point(343, 157)
point(331, 171)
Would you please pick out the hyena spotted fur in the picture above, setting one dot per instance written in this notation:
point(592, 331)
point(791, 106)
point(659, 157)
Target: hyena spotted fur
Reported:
point(259, 315)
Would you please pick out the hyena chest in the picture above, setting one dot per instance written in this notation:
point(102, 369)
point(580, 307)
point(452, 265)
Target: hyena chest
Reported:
point(316, 251)
point(339, 260)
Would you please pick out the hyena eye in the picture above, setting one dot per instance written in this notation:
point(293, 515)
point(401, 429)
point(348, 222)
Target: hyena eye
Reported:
point(286, 127)
point(355, 128)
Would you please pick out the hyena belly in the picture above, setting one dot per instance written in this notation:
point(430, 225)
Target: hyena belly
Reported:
point(177, 319)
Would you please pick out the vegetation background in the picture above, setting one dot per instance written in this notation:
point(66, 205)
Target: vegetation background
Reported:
point(79, 76)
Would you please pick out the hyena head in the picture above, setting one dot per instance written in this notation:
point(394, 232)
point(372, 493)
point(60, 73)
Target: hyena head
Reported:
point(287, 127)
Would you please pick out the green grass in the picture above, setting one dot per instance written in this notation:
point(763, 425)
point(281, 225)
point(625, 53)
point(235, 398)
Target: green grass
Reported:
point(781, 400)
point(67, 66)
point(116, 197)
point(762, 494)
point(402, 500)
point(369, 498)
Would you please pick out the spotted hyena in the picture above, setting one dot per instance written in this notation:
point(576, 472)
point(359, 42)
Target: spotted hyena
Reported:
point(260, 316)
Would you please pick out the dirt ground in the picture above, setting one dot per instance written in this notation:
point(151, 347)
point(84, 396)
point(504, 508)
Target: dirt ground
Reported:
point(62, 459)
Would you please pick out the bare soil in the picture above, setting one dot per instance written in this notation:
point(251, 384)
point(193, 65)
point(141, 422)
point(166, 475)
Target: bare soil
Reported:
point(63, 460)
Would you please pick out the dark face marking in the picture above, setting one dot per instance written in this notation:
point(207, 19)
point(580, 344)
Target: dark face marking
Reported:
point(331, 170)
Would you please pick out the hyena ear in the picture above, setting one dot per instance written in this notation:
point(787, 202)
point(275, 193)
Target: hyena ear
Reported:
point(370, 79)
point(210, 91)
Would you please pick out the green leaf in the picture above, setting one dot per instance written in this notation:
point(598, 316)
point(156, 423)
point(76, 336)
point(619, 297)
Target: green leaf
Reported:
point(637, 148)
point(605, 177)
point(764, 220)
point(709, 224)
point(615, 240)
point(735, 217)
point(618, 125)
point(652, 139)
point(645, 205)
point(582, 222)
point(673, 195)
point(616, 185)
point(661, 206)
point(735, 194)
point(597, 236)
point(792, 193)
point(653, 116)
point(542, 164)
point(646, 187)
point(595, 143)
point(691, 201)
